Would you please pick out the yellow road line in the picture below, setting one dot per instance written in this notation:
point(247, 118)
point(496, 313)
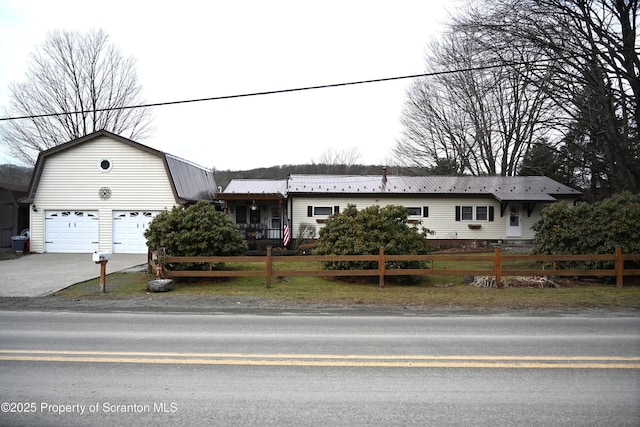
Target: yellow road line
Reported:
point(395, 361)
point(322, 356)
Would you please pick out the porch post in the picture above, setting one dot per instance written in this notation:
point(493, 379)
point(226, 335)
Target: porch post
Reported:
point(281, 210)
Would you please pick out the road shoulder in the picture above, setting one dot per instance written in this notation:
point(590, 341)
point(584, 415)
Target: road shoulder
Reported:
point(164, 303)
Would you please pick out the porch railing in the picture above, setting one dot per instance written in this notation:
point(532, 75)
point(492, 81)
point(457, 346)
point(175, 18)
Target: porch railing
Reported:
point(259, 232)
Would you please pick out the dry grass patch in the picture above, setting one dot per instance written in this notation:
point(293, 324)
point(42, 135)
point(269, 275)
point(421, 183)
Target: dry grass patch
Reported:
point(318, 290)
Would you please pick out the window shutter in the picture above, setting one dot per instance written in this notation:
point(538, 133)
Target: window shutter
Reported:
point(336, 210)
point(309, 211)
point(458, 213)
point(490, 213)
point(425, 211)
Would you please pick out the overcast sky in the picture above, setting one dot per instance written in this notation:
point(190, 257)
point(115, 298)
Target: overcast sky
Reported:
point(196, 49)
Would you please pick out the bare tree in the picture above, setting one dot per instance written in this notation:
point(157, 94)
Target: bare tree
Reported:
point(76, 84)
point(476, 119)
point(595, 80)
point(338, 161)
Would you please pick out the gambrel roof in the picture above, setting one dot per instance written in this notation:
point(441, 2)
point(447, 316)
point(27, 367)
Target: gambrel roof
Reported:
point(189, 182)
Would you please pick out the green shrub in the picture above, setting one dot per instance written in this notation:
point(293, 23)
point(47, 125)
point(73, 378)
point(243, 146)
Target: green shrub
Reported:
point(590, 228)
point(363, 232)
point(195, 230)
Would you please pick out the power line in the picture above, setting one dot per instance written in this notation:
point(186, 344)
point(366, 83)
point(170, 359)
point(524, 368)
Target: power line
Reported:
point(218, 98)
point(299, 89)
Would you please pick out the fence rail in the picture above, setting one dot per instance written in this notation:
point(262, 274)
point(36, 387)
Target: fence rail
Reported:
point(497, 265)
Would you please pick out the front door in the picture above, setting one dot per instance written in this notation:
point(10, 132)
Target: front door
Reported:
point(514, 221)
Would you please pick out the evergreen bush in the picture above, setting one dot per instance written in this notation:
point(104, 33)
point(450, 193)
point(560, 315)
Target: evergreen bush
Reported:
point(195, 230)
point(590, 228)
point(363, 232)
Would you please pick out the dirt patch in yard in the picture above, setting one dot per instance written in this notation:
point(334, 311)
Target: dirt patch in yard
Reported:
point(7, 254)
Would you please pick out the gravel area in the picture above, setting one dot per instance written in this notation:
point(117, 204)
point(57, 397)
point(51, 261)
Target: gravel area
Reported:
point(168, 303)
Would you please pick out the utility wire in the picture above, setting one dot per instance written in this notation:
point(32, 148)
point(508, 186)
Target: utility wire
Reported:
point(299, 89)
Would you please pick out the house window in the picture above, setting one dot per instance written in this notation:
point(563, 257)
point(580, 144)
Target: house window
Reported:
point(104, 165)
point(474, 213)
point(414, 211)
point(322, 210)
point(467, 213)
point(241, 214)
point(482, 213)
point(514, 217)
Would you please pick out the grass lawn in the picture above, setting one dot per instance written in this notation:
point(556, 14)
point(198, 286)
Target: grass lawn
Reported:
point(433, 291)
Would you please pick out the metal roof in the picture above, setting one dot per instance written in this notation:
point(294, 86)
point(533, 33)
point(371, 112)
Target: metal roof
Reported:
point(522, 188)
point(252, 187)
point(192, 182)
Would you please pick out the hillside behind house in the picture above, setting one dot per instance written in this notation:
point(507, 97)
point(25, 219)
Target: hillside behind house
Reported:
point(15, 177)
point(280, 172)
point(19, 177)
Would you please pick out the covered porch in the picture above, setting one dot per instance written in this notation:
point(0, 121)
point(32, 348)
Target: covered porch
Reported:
point(260, 217)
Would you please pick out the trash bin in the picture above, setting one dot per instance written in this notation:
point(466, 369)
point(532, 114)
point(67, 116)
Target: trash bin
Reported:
point(18, 243)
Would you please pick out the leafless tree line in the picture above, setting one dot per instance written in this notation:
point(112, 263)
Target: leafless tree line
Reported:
point(558, 74)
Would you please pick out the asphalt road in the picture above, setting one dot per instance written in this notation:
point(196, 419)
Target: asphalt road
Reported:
point(61, 368)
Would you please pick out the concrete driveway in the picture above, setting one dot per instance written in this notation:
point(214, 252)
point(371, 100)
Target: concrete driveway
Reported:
point(37, 275)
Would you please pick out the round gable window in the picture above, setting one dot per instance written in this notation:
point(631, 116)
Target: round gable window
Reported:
point(104, 165)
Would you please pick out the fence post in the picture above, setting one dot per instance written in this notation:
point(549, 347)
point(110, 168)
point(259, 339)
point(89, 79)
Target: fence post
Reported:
point(162, 252)
point(619, 266)
point(268, 267)
point(381, 265)
point(103, 276)
point(497, 266)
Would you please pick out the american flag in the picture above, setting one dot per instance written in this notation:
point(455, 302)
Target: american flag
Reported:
point(286, 238)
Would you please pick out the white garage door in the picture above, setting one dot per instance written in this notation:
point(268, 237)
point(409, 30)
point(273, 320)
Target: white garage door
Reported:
point(71, 231)
point(128, 231)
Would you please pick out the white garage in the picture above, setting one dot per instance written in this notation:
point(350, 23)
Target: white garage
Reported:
point(71, 231)
point(101, 191)
point(128, 231)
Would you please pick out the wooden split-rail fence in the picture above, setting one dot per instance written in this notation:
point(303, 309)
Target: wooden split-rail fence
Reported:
point(496, 263)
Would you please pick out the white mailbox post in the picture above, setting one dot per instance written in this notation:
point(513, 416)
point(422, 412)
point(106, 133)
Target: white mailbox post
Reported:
point(102, 258)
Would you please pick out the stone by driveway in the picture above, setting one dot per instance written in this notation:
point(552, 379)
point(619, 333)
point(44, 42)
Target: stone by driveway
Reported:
point(37, 275)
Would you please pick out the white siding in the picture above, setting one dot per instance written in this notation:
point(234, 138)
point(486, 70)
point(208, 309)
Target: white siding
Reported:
point(441, 218)
point(72, 178)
